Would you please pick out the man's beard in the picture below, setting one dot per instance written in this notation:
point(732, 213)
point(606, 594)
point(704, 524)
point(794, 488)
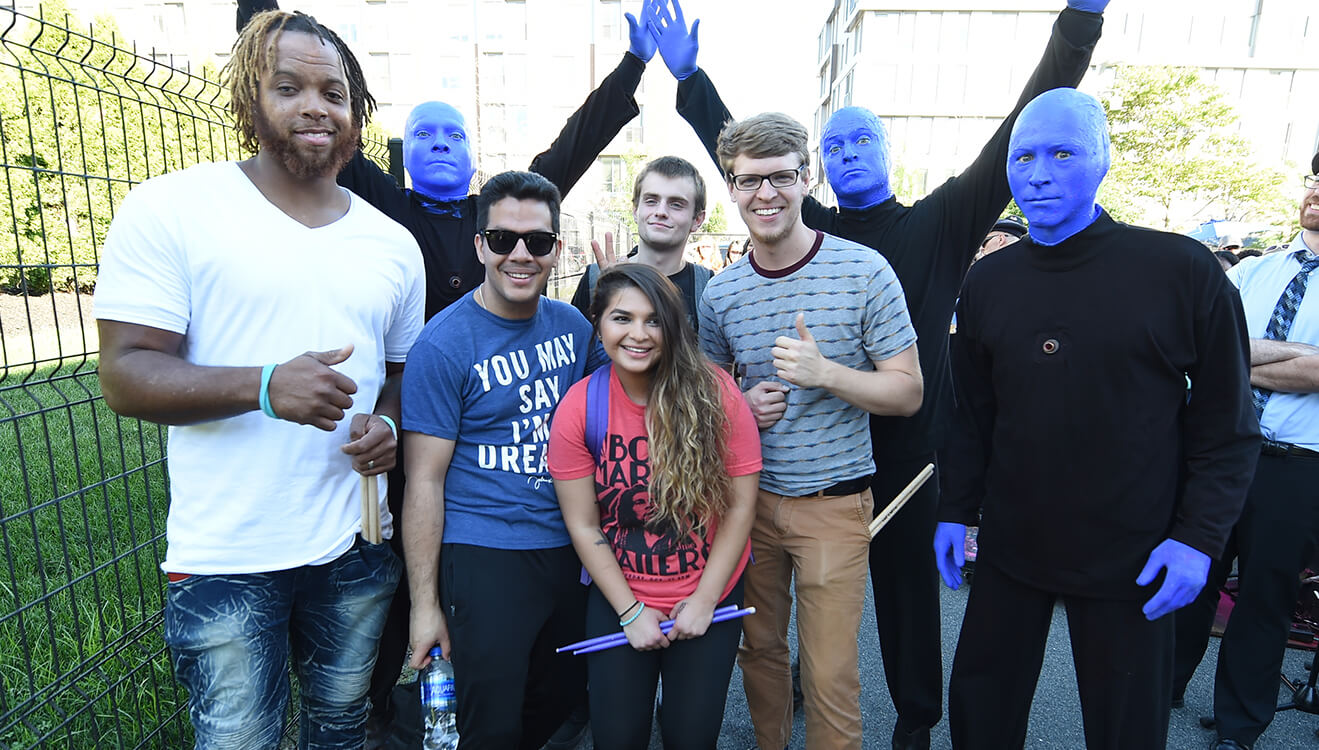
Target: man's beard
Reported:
point(1309, 221)
point(299, 163)
point(781, 233)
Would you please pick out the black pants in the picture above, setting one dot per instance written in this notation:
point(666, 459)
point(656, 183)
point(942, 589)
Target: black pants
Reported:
point(394, 636)
point(1123, 667)
point(1276, 539)
point(906, 587)
point(695, 672)
point(1194, 621)
point(507, 611)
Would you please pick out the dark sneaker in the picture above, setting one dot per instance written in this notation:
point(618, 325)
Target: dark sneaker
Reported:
point(572, 732)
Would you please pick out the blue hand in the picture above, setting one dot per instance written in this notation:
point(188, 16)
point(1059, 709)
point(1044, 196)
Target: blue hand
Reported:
point(950, 552)
point(641, 43)
point(676, 45)
point(1187, 567)
point(1090, 6)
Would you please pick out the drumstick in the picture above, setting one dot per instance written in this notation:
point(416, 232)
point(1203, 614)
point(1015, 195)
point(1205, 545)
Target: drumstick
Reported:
point(366, 508)
point(370, 510)
point(887, 514)
point(374, 484)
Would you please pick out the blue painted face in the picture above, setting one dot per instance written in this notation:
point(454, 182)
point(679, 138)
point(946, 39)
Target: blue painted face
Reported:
point(436, 152)
point(1057, 156)
point(856, 159)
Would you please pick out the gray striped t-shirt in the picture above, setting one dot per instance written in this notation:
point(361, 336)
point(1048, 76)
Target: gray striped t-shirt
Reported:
point(857, 313)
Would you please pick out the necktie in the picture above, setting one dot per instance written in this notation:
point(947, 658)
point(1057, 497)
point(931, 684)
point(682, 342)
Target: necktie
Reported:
point(1280, 323)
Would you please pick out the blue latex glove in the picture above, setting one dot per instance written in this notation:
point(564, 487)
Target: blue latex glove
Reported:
point(1187, 567)
point(950, 552)
point(676, 45)
point(641, 43)
point(1091, 6)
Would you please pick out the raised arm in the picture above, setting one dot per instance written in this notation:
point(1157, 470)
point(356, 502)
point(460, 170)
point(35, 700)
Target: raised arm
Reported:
point(604, 113)
point(982, 188)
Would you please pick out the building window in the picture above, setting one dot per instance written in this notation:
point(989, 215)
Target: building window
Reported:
point(615, 174)
point(610, 20)
point(635, 132)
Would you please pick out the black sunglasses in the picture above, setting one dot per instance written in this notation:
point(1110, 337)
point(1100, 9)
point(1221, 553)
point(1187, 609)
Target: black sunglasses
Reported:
point(502, 241)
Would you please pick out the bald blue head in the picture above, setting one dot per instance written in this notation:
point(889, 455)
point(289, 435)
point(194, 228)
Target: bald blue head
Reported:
point(854, 147)
point(436, 151)
point(1057, 156)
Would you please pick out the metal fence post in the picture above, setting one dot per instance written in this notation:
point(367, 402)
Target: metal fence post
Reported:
point(396, 160)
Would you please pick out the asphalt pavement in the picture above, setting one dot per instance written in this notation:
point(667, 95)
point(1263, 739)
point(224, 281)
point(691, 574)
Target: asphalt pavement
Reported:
point(1055, 720)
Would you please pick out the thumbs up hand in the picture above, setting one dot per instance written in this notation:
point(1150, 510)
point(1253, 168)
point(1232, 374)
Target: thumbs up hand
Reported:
point(798, 360)
point(306, 390)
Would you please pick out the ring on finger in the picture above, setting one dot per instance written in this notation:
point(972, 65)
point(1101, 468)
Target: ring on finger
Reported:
point(371, 464)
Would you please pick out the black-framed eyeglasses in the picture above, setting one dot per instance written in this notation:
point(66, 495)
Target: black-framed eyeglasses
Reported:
point(751, 182)
point(502, 241)
point(1312, 181)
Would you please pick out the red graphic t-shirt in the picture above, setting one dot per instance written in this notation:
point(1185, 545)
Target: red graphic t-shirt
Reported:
point(662, 566)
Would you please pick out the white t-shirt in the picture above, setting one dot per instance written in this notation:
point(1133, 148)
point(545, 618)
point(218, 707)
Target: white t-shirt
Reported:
point(202, 253)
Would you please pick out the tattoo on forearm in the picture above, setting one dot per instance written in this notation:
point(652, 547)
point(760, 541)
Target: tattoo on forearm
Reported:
point(602, 539)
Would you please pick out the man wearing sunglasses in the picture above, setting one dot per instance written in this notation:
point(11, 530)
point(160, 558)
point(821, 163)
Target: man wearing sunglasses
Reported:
point(930, 244)
point(483, 379)
point(821, 323)
point(439, 211)
point(1276, 536)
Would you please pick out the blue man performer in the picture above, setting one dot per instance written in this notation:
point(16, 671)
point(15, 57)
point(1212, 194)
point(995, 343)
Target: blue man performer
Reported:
point(930, 244)
point(1098, 479)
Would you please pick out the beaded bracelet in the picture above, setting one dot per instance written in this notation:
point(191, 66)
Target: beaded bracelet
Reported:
point(628, 621)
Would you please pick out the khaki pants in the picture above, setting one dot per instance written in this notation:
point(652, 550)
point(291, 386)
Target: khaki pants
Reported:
point(825, 542)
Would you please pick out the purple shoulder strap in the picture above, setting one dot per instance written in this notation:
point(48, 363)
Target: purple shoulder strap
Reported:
point(597, 419)
point(597, 411)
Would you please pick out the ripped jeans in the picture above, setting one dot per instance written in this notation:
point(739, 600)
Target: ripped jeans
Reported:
point(231, 638)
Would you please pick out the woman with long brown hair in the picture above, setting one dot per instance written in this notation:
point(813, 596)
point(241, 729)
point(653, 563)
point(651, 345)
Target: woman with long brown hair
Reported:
point(657, 482)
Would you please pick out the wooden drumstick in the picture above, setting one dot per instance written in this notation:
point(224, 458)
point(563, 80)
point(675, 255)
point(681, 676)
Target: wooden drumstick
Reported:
point(892, 509)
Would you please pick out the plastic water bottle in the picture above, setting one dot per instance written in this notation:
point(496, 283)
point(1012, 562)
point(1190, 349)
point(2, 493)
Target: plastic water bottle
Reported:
point(438, 703)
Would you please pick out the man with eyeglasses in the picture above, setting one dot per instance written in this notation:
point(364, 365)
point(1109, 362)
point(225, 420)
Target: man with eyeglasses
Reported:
point(1279, 527)
point(930, 244)
point(822, 323)
point(482, 381)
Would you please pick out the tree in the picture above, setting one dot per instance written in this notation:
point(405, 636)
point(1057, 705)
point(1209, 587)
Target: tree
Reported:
point(1177, 155)
point(716, 220)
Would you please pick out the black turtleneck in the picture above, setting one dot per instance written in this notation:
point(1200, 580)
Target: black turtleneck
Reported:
point(446, 230)
point(1074, 427)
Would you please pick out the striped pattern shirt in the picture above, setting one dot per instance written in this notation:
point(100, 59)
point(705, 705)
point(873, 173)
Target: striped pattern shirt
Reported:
point(855, 309)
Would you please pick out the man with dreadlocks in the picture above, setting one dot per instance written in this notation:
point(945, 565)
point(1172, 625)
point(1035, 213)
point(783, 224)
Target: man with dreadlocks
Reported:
point(237, 333)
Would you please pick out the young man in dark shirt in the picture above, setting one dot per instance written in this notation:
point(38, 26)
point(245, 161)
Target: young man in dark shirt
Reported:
point(1094, 472)
point(930, 244)
point(668, 204)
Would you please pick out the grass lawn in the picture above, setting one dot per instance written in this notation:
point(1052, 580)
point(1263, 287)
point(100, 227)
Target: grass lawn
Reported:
point(82, 524)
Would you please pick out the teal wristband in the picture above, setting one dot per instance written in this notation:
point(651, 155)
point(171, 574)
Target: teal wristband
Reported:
point(264, 397)
point(628, 621)
point(392, 427)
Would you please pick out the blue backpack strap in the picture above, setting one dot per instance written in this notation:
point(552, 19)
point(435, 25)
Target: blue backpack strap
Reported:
point(597, 410)
point(597, 419)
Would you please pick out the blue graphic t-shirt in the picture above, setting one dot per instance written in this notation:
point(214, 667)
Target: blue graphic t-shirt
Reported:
point(490, 385)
